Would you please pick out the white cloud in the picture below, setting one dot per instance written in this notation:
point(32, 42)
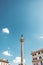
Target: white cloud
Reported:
point(7, 53)
point(5, 30)
point(17, 60)
point(41, 36)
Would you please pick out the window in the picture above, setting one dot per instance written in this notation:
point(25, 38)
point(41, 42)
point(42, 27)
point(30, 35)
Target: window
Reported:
point(38, 52)
point(40, 57)
point(34, 58)
point(33, 55)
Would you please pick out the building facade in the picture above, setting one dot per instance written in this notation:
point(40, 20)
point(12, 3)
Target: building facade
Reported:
point(37, 57)
point(4, 62)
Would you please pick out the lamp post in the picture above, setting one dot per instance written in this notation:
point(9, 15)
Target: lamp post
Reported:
point(22, 50)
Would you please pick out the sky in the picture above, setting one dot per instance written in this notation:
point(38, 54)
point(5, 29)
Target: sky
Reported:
point(20, 17)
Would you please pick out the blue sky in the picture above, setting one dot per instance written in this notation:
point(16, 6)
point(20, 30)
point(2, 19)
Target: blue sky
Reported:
point(20, 17)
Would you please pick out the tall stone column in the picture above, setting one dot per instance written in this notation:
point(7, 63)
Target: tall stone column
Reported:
point(22, 50)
